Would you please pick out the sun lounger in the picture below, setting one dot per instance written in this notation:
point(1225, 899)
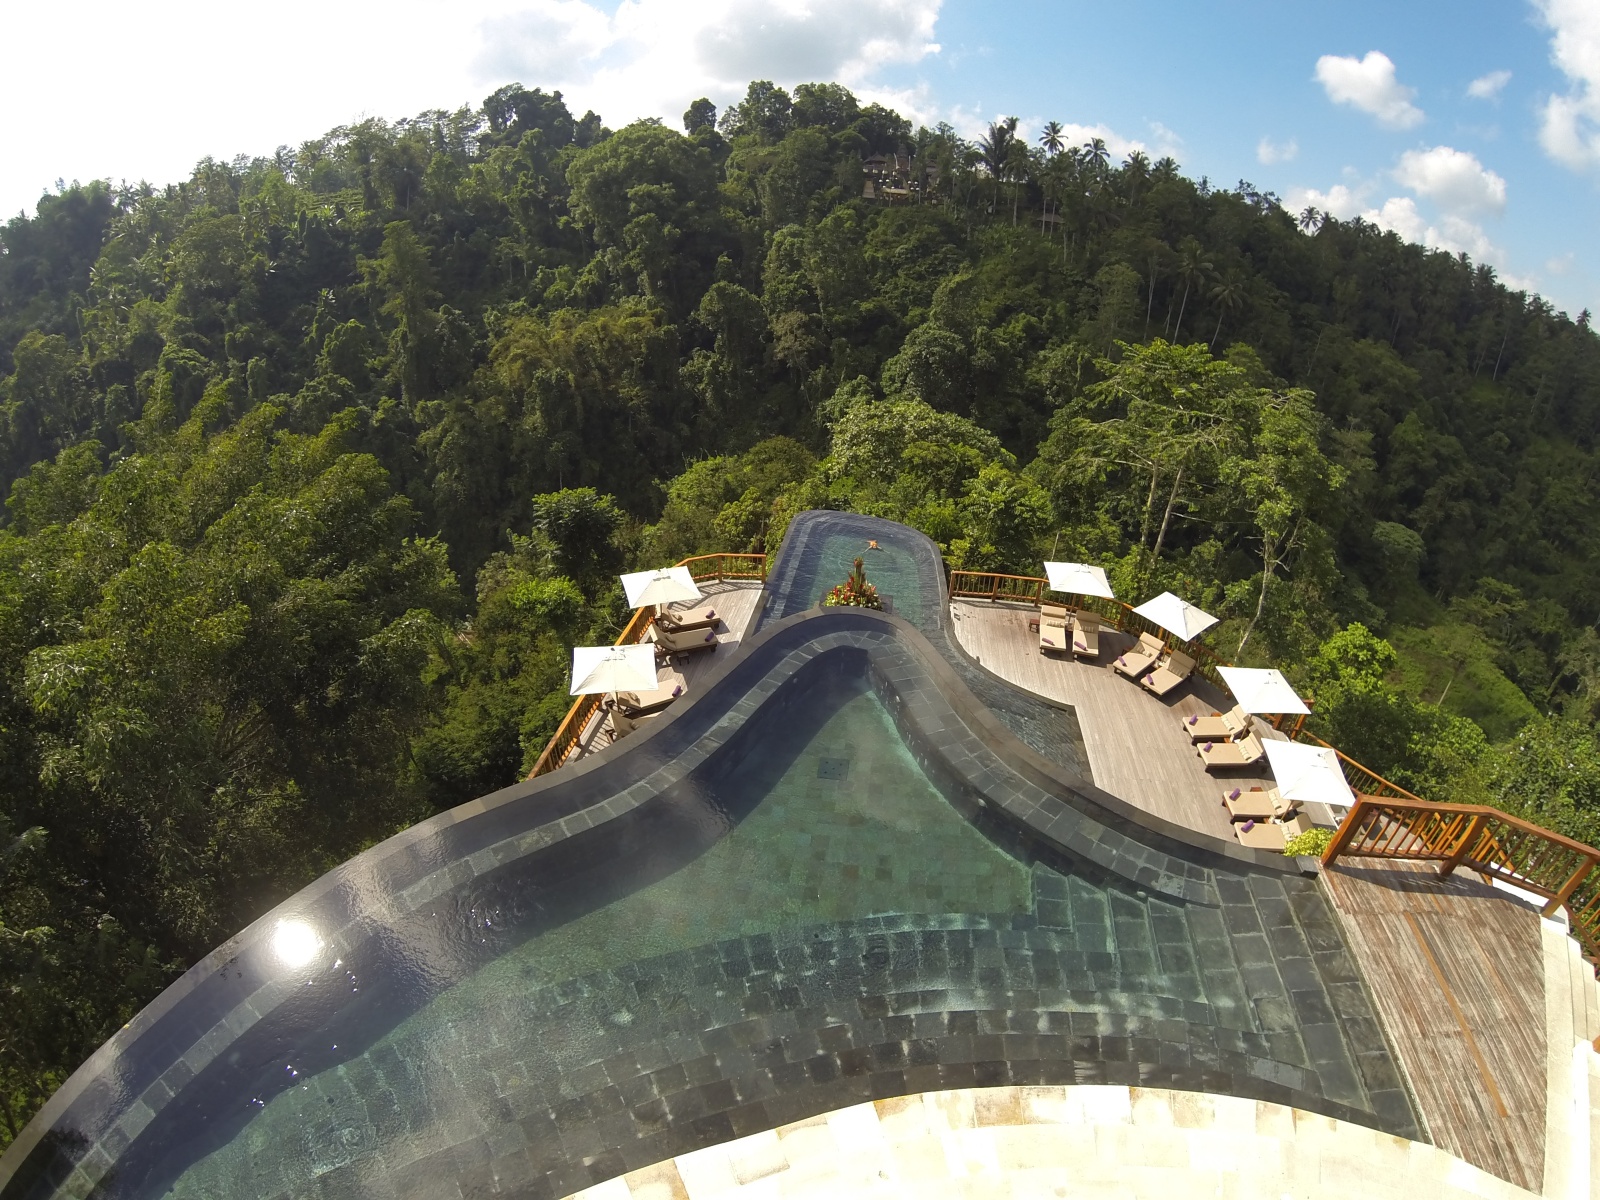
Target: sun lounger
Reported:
point(1258, 804)
point(1270, 835)
point(688, 642)
point(1247, 751)
point(681, 622)
point(1138, 660)
point(1086, 634)
point(642, 704)
point(1218, 727)
point(1055, 635)
point(619, 725)
point(1169, 674)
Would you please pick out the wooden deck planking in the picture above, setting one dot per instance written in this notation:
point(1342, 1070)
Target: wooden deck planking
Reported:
point(1456, 969)
point(735, 602)
point(1137, 748)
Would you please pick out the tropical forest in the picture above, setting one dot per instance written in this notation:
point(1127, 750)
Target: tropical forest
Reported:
point(318, 465)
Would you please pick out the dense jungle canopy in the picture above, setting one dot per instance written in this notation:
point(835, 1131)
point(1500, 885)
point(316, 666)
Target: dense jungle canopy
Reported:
point(318, 464)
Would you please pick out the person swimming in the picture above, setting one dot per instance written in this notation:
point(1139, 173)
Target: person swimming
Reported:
point(871, 545)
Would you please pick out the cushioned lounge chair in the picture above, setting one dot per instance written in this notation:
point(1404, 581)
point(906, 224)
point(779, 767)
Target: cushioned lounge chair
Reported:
point(642, 704)
point(1139, 659)
point(1218, 727)
point(681, 622)
point(1270, 835)
point(1217, 756)
point(1086, 634)
point(1258, 804)
point(619, 725)
point(1169, 674)
point(1055, 634)
point(688, 642)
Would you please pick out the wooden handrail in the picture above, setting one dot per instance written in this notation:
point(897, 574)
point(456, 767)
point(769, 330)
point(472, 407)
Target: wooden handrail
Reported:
point(990, 585)
point(563, 744)
point(1493, 843)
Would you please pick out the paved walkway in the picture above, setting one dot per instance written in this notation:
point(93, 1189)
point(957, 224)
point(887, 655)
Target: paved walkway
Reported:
point(1088, 1141)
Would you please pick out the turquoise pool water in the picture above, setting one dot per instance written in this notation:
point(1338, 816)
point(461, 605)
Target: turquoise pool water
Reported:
point(832, 820)
point(891, 569)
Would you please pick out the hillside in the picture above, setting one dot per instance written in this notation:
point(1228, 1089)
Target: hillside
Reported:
point(319, 464)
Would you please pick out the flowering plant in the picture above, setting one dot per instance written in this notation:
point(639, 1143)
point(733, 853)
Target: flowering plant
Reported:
point(855, 591)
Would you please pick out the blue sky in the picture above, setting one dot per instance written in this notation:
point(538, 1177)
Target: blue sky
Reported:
point(1355, 107)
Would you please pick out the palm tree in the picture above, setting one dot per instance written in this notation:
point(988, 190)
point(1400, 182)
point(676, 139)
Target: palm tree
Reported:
point(1193, 267)
point(1310, 219)
point(1228, 294)
point(1050, 139)
point(994, 150)
point(1135, 171)
point(1097, 155)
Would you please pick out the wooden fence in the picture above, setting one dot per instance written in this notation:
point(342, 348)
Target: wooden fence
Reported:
point(1387, 821)
point(704, 568)
point(986, 585)
point(1495, 844)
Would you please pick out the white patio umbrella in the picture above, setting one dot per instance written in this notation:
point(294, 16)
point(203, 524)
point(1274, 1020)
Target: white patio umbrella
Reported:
point(1262, 691)
point(1309, 774)
point(1176, 615)
point(665, 586)
point(1080, 579)
point(613, 669)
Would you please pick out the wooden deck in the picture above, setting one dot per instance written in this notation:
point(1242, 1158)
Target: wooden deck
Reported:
point(1455, 967)
point(1137, 748)
point(735, 602)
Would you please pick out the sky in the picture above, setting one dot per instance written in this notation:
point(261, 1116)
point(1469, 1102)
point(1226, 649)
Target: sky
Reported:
point(1465, 125)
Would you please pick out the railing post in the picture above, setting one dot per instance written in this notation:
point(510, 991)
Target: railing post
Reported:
point(1347, 830)
point(1474, 831)
point(1569, 887)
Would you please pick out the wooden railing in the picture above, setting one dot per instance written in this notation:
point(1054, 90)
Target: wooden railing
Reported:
point(703, 568)
point(1028, 589)
point(1495, 844)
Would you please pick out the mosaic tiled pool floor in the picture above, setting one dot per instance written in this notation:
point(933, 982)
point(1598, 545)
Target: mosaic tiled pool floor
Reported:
point(845, 938)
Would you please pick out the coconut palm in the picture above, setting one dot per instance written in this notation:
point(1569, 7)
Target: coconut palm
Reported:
point(1310, 219)
point(1097, 155)
point(1228, 294)
point(994, 150)
point(1193, 268)
point(1050, 139)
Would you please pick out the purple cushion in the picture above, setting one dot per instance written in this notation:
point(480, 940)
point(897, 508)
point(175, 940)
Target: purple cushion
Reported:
point(1247, 825)
point(1194, 720)
point(710, 637)
point(1233, 795)
point(711, 612)
point(678, 691)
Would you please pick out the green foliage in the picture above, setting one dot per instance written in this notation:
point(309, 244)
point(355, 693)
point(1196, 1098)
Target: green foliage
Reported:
point(1311, 843)
point(231, 409)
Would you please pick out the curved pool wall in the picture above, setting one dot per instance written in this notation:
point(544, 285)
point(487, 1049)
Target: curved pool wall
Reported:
point(819, 549)
point(1139, 957)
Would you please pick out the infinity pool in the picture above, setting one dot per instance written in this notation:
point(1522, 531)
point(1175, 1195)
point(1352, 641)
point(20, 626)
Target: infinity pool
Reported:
point(830, 878)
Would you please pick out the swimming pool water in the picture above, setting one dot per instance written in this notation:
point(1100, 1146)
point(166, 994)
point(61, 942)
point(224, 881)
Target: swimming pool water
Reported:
point(830, 820)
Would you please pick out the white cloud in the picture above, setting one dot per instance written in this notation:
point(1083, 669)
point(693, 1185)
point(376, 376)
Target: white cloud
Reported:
point(1369, 84)
point(636, 58)
point(1488, 87)
point(543, 38)
point(969, 124)
point(1269, 152)
point(1453, 179)
point(1570, 131)
point(1339, 201)
point(654, 56)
